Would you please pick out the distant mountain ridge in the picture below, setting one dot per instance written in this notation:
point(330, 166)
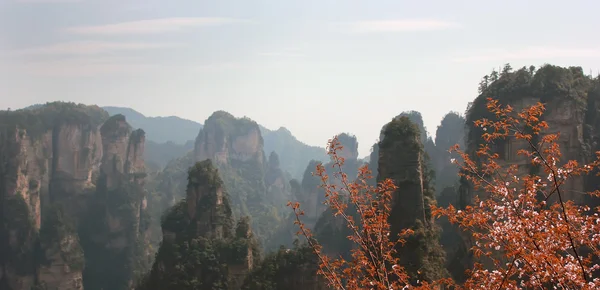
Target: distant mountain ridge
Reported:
point(294, 154)
point(159, 129)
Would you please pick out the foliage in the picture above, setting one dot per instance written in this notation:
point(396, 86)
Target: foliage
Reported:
point(526, 235)
point(111, 238)
point(17, 234)
point(548, 84)
point(191, 264)
point(59, 233)
point(192, 256)
point(40, 119)
point(374, 261)
point(285, 269)
point(116, 126)
point(403, 160)
point(522, 238)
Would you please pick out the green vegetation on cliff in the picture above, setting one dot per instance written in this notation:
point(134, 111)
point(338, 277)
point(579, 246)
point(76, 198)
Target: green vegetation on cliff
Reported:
point(58, 234)
point(292, 269)
point(548, 84)
point(17, 236)
point(40, 119)
point(403, 159)
point(200, 248)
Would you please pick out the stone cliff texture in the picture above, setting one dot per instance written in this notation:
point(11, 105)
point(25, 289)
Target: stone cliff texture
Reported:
point(51, 157)
point(277, 183)
point(402, 159)
point(48, 156)
point(225, 138)
point(570, 100)
point(113, 237)
point(331, 230)
point(208, 207)
point(564, 91)
point(236, 148)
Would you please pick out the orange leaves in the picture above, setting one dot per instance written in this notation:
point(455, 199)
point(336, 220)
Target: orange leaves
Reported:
point(523, 231)
point(528, 241)
point(372, 262)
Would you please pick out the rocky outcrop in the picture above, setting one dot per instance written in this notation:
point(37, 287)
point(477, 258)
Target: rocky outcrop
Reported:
point(449, 133)
point(564, 91)
point(401, 159)
point(331, 230)
point(62, 258)
point(123, 152)
point(65, 172)
point(277, 183)
point(208, 207)
point(199, 239)
point(570, 100)
point(114, 233)
point(225, 139)
point(236, 148)
point(48, 156)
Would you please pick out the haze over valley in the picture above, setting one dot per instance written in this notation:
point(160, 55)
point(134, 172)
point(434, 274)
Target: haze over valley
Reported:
point(149, 145)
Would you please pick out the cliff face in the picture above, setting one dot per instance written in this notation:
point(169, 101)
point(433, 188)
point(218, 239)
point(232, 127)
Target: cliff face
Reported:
point(51, 158)
point(113, 230)
point(226, 139)
point(331, 230)
point(401, 158)
point(564, 91)
point(198, 228)
point(570, 100)
point(48, 157)
point(236, 148)
point(277, 184)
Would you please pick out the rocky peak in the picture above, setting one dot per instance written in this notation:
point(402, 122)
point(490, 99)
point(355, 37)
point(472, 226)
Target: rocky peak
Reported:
point(198, 233)
point(207, 202)
point(123, 151)
point(224, 138)
point(401, 158)
point(564, 91)
point(49, 155)
point(273, 161)
point(350, 146)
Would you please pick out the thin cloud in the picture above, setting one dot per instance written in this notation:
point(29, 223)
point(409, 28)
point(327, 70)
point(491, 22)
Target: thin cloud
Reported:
point(91, 47)
point(87, 66)
point(152, 26)
point(111, 66)
point(536, 52)
point(401, 25)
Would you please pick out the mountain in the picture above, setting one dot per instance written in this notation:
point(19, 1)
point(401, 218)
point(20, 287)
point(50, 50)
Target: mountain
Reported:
point(165, 144)
point(159, 129)
point(294, 155)
point(72, 203)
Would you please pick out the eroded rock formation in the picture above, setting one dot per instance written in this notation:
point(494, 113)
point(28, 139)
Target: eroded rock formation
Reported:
point(201, 249)
point(50, 162)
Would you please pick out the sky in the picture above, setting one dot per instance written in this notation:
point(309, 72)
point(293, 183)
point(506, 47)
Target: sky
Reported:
point(316, 67)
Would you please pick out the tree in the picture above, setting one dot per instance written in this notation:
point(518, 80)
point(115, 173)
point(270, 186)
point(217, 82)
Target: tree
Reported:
point(506, 69)
point(373, 261)
point(521, 237)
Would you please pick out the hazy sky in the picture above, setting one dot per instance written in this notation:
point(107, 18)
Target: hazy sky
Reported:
point(317, 67)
